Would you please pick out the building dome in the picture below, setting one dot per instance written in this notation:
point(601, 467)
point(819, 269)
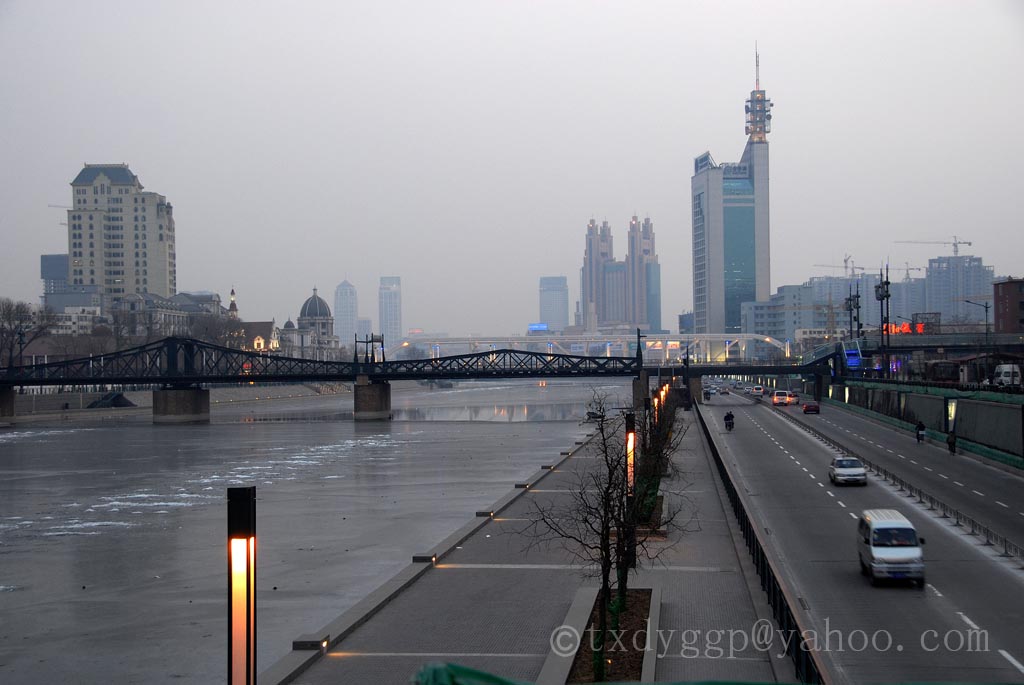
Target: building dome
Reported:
point(314, 307)
point(288, 325)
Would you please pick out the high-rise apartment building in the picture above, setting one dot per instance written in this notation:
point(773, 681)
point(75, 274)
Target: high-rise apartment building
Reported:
point(596, 253)
point(643, 276)
point(390, 308)
point(729, 202)
point(554, 302)
point(120, 238)
point(952, 280)
point(346, 312)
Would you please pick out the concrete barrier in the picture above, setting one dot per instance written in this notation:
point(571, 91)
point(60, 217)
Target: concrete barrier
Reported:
point(989, 423)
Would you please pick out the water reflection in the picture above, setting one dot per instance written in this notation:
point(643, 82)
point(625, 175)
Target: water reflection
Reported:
point(500, 413)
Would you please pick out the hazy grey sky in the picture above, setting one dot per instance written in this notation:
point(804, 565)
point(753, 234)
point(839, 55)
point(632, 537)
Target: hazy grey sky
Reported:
point(464, 145)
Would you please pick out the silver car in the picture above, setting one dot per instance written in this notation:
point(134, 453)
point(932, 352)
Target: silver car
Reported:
point(844, 470)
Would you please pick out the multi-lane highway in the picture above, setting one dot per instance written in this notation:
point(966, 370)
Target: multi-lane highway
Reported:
point(966, 623)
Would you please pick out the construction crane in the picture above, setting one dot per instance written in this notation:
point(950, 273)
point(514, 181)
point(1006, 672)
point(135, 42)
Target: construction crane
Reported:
point(907, 268)
point(848, 267)
point(956, 243)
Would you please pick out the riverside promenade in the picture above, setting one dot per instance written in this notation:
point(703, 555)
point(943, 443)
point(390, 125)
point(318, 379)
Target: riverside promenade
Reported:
point(485, 599)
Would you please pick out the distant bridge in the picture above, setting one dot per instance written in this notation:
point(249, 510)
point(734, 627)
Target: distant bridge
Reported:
point(182, 362)
point(179, 368)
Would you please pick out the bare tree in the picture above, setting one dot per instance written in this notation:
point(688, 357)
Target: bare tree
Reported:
point(219, 330)
point(606, 500)
point(19, 327)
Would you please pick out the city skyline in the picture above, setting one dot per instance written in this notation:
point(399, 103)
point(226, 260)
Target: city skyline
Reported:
point(442, 168)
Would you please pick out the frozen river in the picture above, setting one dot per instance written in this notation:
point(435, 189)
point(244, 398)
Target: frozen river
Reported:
point(112, 534)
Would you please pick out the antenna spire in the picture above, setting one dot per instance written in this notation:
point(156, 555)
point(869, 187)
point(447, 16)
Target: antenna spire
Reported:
point(757, 68)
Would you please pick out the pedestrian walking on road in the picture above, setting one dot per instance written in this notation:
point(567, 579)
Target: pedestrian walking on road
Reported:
point(920, 432)
point(951, 441)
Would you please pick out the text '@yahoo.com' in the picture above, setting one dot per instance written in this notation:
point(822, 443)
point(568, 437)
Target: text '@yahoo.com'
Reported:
point(764, 637)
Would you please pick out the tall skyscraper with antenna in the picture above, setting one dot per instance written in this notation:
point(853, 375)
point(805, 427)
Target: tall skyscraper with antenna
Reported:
point(729, 204)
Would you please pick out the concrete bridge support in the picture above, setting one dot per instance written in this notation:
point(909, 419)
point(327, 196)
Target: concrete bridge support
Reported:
point(641, 390)
point(6, 402)
point(372, 401)
point(181, 405)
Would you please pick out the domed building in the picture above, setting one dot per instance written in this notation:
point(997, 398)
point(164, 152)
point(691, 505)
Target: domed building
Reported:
point(312, 335)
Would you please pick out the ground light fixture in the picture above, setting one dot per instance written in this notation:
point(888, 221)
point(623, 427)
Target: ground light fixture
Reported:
point(242, 585)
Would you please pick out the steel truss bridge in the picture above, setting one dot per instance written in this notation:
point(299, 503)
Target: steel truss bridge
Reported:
point(181, 362)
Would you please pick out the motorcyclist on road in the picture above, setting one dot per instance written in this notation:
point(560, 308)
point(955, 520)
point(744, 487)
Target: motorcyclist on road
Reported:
point(729, 419)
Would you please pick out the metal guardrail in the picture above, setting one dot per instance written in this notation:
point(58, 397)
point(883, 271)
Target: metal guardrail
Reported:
point(1010, 549)
point(803, 654)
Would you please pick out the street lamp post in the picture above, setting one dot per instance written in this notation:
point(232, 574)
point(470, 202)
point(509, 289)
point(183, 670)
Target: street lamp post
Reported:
point(986, 306)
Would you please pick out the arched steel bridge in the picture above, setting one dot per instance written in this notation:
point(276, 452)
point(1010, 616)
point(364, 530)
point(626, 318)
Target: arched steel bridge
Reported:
point(181, 362)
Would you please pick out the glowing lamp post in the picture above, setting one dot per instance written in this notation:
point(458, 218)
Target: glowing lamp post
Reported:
point(241, 585)
point(630, 520)
point(630, 454)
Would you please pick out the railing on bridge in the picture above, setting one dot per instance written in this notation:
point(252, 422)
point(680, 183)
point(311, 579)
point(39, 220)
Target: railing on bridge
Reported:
point(179, 361)
point(183, 362)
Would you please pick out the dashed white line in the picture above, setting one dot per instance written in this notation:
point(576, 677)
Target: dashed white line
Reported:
point(901, 456)
point(798, 463)
point(982, 494)
point(913, 462)
point(805, 469)
point(890, 451)
point(942, 475)
point(813, 476)
point(852, 515)
point(1002, 505)
point(956, 482)
point(968, 621)
point(1016, 664)
point(928, 468)
point(935, 590)
point(831, 494)
point(820, 485)
point(841, 504)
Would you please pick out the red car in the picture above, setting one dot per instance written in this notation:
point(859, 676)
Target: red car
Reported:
point(812, 408)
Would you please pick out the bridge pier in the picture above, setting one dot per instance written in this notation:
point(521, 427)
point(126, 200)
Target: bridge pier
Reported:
point(181, 405)
point(372, 400)
point(6, 402)
point(641, 390)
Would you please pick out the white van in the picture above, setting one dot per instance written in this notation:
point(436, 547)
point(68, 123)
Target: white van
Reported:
point(888, 547)
point(1006, 374)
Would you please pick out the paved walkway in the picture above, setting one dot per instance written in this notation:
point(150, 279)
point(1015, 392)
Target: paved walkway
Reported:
point(491, 605)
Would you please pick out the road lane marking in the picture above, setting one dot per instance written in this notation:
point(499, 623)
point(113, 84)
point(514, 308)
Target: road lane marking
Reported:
point(820, 485)
point(1016, 664)
point(831, 494)
point(852, 515)
point(942, 475)
point(968, 621)
point(890, 451)
point(956, 482)
point(813, 476)
point(913, 462)
point(841, 504)
point(935, 590)
point(798, 463)
point(928, 468)
point(1002, 505)
point(901, 456)
point(978, 493)
point(805, 469)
